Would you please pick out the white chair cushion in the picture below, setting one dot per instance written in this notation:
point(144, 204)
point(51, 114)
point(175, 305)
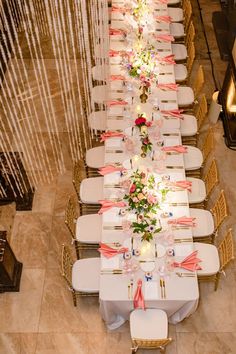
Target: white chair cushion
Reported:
point(95, 157)
point(89, 228)
point(181, 72)
point(188, 125)
point(193, 159)
point(177, 29)
point(179, 51)
point(148, 324)
point(86, 275)
point(176, 14)
point(98, 120)
point(185, 96)
point(91, 190)
point(99, 93)
point(198, 193)
point(173, 2)
point(204, 222)
point(98, 73)
point(210, 258)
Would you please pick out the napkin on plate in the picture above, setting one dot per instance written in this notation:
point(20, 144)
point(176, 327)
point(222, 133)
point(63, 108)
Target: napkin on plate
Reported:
point(168, 59)
point(117, 77)
point(175, 148)
point(184, 220)
point(116, 103)
point(110, 169)
point(183, 184)
point(109, 134)
point(189, 263)
point(138, 296)
point(176, 113)
point(164, 38)
point(116, 31)
point(109, 252)
point(108, 204)
point(166, 19)
point(170, 86)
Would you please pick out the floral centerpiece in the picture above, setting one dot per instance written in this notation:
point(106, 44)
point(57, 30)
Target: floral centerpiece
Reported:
point(142, 123)
point(140, 10)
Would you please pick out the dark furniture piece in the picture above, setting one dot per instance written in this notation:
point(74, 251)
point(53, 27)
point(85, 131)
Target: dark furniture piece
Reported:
point(10, 268)
point(224, 23)
point(227, 99)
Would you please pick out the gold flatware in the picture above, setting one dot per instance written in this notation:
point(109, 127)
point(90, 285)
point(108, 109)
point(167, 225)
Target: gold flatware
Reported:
point(111, 186)
point(180, 240)
point(168, 101)
point(175, 167)
point(172, 153)
point(115, 117)
point(181, 227)
point(161, 288)
point(111, 271)
point(171, 134)
point(165, 74)
point(116, 227)
point(178, 204)
point(163, 50)
point(187, 275)
point(164, 288)
point(129, 292)
point(109, 151)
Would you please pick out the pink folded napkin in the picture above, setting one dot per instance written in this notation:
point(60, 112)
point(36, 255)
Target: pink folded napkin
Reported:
point(116, 103)
point(166, 19)
point(138, 296)
point(176, 113)
point(164, 38)
point(169, 59)
point(189, 263)
point(117, 77)
point(109, 169)
point(114, 53)
point(161, 1)
point(109, 252)
point(183, 184)
point(176, 148)
point(116, 31)
point(108, 204)
point(110, 134)
point(119, 9)
point(183, 220)
point(171, 86)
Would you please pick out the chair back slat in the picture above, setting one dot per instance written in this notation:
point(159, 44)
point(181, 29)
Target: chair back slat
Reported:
point(201, 111)
point(71, 215)
point(226, 249)
point(190, 35)
point(66, 265)
point(198, 82)
point(79, 173)
point(191, 57)
point(187, 10)
point(211, 178)
point(151, 343)
point(208, 145)
point(219, 210)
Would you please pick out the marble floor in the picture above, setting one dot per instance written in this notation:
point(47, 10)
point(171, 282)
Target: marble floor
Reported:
point(41, 318)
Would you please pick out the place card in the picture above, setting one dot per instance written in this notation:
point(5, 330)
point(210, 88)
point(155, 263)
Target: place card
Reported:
point(183, 250)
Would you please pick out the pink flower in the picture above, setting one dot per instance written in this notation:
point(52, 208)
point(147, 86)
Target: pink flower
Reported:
point(151, 199)
point(140, 121)
point(141, 196)
point(135, 199)
point(148, 124)
point(132, 188)
point(126, 224)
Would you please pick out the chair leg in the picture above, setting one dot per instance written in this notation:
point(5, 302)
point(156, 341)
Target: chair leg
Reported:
point(74, 299)
point(217, 281)
point(77, 250)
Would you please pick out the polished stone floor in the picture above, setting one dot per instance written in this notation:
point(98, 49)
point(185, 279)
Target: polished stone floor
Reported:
point(41, 318)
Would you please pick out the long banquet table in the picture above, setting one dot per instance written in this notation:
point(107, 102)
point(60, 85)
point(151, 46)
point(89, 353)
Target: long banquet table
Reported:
point(117, 290)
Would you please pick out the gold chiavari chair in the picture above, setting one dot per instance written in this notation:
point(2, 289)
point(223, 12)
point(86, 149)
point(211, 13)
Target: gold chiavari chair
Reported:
point(209, 222)
point(190, 35)
point(182, 71)
point(198, 82)
point(201, 111)
point(188, 11)
point(76, 273)
point(92, 186)
point(180, 51)
point(211, 178)
point(151, 323)
point(208, 145)
point(215, 259)
point(85, 230)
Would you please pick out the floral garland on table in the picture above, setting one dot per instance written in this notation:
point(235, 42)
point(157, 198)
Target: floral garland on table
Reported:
point(144, 200)
point(142, 123)
point(140, 10)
